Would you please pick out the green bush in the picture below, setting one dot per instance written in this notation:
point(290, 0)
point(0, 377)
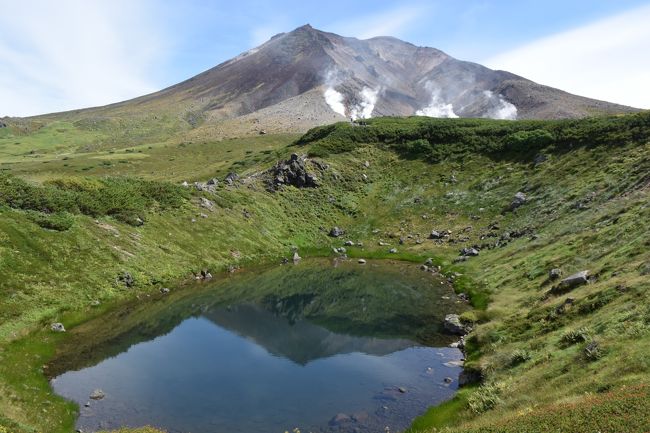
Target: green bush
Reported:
point(61, 221)
point(126, 199)
point(574, 336)
point(519, 356)
point(484, 398)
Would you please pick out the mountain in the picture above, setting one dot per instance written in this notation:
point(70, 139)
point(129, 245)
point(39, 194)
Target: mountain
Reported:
point(309, 77)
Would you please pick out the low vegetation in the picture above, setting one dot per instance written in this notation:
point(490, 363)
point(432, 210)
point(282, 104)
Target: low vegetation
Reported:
point(569, 361)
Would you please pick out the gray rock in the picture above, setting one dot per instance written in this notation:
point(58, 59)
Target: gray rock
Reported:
point(574, 280)
point(362, 261)
point(97, 394)
point(469, 252)
point(57, 327)
point(402, 390)
point(127, 279)
point(348, 243)
point(518, 200)
point(540, 159)
point(393, 251)
point(453, 325)
point(293, 172)
point(213, 181)
point(336, 232)
point(296, 257)
point(436, 235)
point(164, 290)
point(448, 380)
point(428, 262)
point(554, 273)
point(231, 178)
point(205, 203)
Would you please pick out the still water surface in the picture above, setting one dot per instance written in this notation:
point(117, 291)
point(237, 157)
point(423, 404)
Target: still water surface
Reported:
point(272, 362)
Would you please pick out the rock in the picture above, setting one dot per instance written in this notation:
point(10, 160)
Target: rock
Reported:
point(164, 290)
point(262, 132)
point(393, 251)
point(87, 404)
point(205, 274)
point(424, 267)
point(207, 204)
point(231, 178)
point(402, 390)
point(573, 281)
point(57, 327)
point(336, 232)
point(360, 417)
point(293, 172)
point(540, 159)
point(436, 235)
point(202, 215)
point(362, 261)
point(428, 262)
point(185, 184)
point(469, 252)
point(339, 419)
point(366, 164)
point(213, 181)
point(448, 380)
point(469, 376)
point(518, 200)
point(554, 274)
point(296, 257)
point(3, 125)
point(349, 244)
point(97, 394)
point(127, 279)
point(453, 325)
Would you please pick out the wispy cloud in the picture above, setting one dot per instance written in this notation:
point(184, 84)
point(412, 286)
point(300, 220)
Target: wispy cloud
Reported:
point(393, 22)
point(74, 53)
point(607, 59)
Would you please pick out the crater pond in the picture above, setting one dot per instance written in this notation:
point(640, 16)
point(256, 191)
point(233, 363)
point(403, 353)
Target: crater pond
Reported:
point(323, 346)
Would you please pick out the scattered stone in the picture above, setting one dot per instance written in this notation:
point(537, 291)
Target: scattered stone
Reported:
point(362, 261)
point(95, 303)
point(57, 327)
point(424, 268)
point(340, 250)
point(469, 252)
point(231, 178)
point(87, 404)
point(554, 274)
point(366, 164)
point(383, 244)
point(185, 184)
point(97, 394)
point(207, 204)
point(540, 159)
point(393, 251)
point(336, 232)
point(436, 235)
point(349, 244)
point(518, 200)
point(339, 419)
point(572, 282)
point(461, 259)
point(402, 390)
point(205, 274)
point(127, 279)
point(296, 257)
point(448, 380)
point(429, 262)
point(202, 215)
point(453, 325)
point(214, 181)
point(164, 290)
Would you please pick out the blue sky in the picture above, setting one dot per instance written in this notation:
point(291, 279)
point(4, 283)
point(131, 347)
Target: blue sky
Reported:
point(75, 53)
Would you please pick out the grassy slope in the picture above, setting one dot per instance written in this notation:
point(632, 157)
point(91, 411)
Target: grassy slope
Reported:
point(47, 276)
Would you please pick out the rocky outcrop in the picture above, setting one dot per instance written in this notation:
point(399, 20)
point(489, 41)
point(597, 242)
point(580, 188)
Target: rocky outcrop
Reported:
point(518, 200)
point(293, 172)
point(454, 325)
point(571, 282)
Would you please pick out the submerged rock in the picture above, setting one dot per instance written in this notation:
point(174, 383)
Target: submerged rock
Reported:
point(97, 394)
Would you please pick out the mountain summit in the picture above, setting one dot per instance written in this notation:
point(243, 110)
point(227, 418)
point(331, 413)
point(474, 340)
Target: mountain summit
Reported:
point(308, 77)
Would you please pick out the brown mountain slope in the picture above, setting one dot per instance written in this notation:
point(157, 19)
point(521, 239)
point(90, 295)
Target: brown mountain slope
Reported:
point(308, 77)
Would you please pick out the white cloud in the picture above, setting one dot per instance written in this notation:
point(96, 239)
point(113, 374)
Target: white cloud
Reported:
point(606, 60)
point(69, 54)
point(388, 23)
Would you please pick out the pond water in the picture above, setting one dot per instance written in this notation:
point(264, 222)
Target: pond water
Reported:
point(319, 347)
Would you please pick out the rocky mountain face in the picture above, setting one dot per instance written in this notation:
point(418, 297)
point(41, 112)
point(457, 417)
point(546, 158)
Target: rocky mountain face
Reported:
point(309, 77)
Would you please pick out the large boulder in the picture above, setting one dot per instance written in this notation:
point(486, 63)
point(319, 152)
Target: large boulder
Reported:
point(293, 172)
point(454, 325)
point(573, 281)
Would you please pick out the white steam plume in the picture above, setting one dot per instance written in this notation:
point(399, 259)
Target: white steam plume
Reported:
point(437, 107)
point(364, 109)
point(499, 107)
point(335, 100)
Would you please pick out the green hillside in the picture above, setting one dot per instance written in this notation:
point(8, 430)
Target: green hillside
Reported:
point(79, 209)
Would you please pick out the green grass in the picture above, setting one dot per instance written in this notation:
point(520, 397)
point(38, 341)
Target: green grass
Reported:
point(587, 209)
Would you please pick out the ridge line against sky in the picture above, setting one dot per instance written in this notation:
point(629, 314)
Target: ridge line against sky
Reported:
point(71, 54)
